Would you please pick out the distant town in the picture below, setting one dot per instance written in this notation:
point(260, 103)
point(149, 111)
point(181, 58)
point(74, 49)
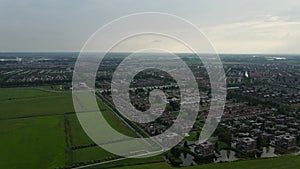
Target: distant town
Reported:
point(261, 117)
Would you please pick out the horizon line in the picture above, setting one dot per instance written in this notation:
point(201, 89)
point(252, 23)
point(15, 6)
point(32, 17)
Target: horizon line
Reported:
point(224, 53)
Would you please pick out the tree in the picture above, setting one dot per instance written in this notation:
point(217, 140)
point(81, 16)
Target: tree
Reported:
point(224, 135)
point(259, 142)
point(185, 144)
point(175, 152)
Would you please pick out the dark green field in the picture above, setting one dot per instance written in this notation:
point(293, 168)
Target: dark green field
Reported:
point(288, 162)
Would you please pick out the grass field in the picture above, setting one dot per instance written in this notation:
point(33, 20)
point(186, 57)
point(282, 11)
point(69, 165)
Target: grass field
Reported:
point(287, 162)
point(115, 121)
point(132, 162)
point(79, 137)
point(91, 153)
point(32, 143)
point(77, 134)
point(27, 102)
point(34, 133)
point(22, 93)
point(36, 107)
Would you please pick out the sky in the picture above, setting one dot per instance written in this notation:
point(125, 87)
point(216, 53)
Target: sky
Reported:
point(232, 26)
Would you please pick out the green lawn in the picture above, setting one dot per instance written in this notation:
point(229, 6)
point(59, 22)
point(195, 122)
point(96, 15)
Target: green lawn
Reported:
point(32, 143)
point(193, 136)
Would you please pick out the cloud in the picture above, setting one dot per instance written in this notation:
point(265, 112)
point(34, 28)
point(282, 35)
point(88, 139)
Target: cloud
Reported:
point(268, 33)
point(234, 26)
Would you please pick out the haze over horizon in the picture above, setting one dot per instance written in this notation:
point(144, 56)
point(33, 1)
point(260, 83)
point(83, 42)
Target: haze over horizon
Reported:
point(234, 27)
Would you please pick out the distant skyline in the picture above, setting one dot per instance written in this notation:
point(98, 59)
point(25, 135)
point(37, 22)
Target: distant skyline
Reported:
point(233, 26)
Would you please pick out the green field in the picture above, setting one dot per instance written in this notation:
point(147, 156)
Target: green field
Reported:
point(288, 162)
point(32, 143)
point(28, 102)
point(22, 93)
point(78, 138)
point(77, 134)
point(38, 129)
point(91, 153)
point(115, 121)
point(132, 162)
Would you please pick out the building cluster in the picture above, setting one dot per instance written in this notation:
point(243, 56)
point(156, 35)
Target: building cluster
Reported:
point(36, 70)
point(274, 129)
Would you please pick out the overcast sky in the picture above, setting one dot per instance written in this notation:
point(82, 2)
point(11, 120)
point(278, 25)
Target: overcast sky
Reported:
point(233, 26)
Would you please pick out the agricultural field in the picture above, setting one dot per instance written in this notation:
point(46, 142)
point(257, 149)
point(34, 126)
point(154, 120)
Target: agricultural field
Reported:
point(39, 129)
point(29, 102)
point(114, 121)
point(7, 94)
point(32, 143)
point(76, 133)
point(90, 154)
point(77, 137)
